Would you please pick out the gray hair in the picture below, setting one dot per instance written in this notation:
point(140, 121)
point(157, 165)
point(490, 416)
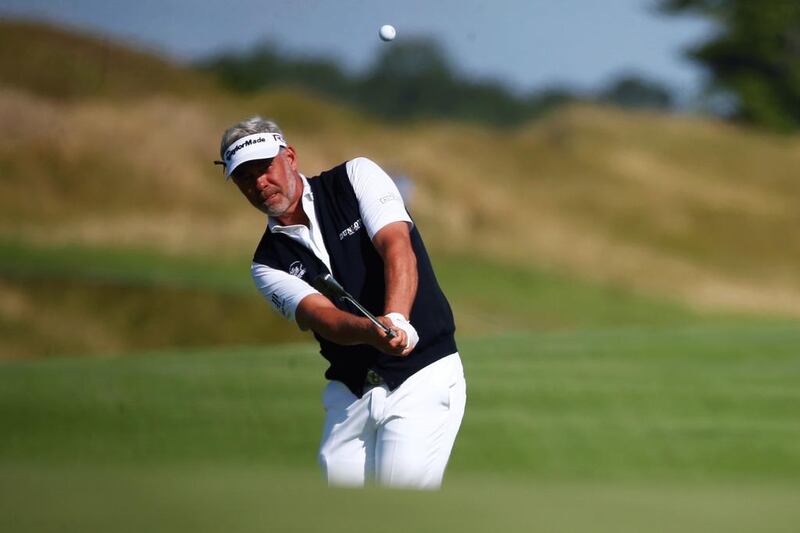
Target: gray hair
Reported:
point(247, 127)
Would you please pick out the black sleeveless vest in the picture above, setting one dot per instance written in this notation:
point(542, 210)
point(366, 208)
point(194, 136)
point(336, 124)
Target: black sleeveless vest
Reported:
point(358, 267)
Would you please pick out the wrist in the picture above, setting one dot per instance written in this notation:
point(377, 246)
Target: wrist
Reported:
point(400, 322)
point(397, 314)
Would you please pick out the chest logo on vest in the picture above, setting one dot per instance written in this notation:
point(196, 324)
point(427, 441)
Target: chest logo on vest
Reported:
point(297, 269)
point(354, 227)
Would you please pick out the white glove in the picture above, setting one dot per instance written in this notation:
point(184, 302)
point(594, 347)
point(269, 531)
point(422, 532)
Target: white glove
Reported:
point(412, 337)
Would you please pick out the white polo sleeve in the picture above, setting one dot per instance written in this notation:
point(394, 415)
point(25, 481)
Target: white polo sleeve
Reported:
point(283, 291)
point(379, 199)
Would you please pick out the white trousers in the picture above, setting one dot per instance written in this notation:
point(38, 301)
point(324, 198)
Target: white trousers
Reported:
point(399, 438)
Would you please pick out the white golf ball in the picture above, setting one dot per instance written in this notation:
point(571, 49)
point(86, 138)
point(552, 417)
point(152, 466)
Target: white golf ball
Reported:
point(387, 32)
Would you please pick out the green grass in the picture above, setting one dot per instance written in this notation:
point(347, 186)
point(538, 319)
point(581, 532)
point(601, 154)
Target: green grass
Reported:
point(124, 266)
point(71, 299)
point(501, 294)
point(696, 402)
point(81, 300)
point(610, 429)
point(495, 297)
point(241, 499)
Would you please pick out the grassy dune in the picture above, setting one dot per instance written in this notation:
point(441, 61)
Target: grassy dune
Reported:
point(58, 63)
point(674, 206)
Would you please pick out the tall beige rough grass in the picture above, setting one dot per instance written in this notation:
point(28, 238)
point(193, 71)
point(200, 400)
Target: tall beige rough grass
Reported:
point(675, 206)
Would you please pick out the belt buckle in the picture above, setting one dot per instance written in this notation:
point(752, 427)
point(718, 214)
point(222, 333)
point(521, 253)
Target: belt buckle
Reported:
point(373, 378)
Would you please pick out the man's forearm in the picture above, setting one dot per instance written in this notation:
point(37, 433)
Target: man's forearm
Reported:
point(317, 313)
point(393, 243)
point(400, 275)
point(340, 327)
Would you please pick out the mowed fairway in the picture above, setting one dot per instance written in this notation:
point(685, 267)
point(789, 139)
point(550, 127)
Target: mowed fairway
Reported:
point(663, 428)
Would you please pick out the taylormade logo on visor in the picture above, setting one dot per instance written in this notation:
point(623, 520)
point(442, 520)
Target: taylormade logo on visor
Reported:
point(254, 139)
point(257, 146)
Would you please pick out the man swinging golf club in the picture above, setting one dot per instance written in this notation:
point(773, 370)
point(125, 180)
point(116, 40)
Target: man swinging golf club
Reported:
point(396, 393)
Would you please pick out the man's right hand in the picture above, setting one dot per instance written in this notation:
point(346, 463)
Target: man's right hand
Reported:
point(397, 345)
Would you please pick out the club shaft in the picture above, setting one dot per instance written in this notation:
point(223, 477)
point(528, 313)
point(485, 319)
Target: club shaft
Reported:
point(389, 332)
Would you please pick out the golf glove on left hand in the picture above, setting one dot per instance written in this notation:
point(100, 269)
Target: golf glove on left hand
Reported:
point(412, 337)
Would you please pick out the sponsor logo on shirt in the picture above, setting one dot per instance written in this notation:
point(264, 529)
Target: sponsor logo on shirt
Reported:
point(354, 227)
point(297, 269)
point(389, 198)
point(280, 304)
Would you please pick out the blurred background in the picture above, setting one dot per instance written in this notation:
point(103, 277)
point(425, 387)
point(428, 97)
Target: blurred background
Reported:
point(609, 193)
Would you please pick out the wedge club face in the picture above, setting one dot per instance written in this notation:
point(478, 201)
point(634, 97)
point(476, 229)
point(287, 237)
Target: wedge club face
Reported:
point(328, 286)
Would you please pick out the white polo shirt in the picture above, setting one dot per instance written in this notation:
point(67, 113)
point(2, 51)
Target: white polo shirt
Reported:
point(379, 203)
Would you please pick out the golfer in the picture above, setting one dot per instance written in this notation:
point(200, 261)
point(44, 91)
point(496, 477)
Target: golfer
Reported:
point(393, 404)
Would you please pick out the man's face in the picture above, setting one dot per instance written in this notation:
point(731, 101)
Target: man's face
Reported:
point(270, 185)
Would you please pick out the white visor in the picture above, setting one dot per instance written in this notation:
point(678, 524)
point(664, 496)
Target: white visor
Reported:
point(258, 146)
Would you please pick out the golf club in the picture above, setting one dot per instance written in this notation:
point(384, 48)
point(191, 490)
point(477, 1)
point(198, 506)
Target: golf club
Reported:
point(328, 286)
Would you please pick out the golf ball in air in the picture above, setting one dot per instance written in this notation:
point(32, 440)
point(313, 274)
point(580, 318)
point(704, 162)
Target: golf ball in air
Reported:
point(387, 32)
